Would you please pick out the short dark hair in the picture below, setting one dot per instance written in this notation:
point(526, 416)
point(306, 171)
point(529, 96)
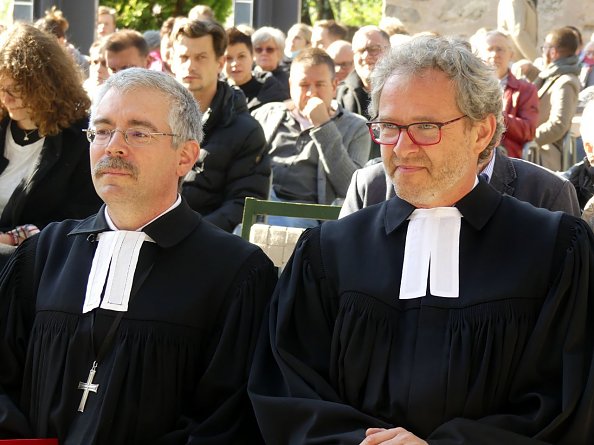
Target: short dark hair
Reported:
point(314, 57)
point(235, 37)
point(124, 39)
point(197, 28)
point(565, 40)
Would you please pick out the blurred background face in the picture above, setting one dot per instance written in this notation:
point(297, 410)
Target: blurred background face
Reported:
point(311, 81)
point(238, 64)
point(367, 49)
point(97, 66)
point(342, 54)
point(105, 25)
point(295, 42)
point(320, 37)
point(497, 53)
point(126, 58)
point(11, 100)
point(267, 55)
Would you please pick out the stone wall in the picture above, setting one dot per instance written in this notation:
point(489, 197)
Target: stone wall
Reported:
point(464, 17)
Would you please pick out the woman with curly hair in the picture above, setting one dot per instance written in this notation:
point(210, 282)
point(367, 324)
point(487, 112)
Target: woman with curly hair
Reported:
point(44, 164)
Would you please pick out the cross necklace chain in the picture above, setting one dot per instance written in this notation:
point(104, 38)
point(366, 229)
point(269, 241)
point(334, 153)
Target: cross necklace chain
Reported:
point(27, 133)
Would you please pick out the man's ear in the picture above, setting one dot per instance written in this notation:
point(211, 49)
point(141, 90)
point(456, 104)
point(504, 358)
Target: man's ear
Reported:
point(187, 157)
point(483, 132)
point(221, 64)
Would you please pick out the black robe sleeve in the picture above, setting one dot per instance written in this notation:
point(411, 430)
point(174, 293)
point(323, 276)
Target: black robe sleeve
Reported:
point(17, 307)
point(297, 400)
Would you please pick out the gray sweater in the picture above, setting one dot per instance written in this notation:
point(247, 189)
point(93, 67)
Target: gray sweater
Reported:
point(341, 144)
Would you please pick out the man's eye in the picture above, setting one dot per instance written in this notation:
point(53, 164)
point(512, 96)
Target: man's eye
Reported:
point(137, 134)
point(102, 133)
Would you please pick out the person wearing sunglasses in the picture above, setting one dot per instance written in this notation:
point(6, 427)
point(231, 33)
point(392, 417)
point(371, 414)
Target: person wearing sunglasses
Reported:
point(137, 324)
point(448, 314)
point(259, 87)
point(269, 46)
point(44, 166)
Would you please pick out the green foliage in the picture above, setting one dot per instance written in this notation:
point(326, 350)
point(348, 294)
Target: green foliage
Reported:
point(146, 14)
point(357, 13)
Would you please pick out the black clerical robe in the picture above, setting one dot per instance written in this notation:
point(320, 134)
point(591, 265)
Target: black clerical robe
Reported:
point(178, 368)
point(508, 362)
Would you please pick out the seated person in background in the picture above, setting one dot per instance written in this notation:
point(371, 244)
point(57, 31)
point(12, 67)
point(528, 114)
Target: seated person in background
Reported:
point(269, 46)
point(369, 44)
point(558, 88)
point(581, 175)
point(233, 162)
point(126, 49)
point(449, 314)
point(520, 99)
point(44, 167)
point(341, 52)
point(259, 87)
point(315, 145)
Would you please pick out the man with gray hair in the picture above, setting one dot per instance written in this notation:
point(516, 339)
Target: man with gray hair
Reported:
point(137, 324)
point(424, 319)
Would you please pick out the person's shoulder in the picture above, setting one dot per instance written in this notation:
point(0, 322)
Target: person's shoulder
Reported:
point(268, 110)
point(538, 173)
point(351, 117)
point(371, 173)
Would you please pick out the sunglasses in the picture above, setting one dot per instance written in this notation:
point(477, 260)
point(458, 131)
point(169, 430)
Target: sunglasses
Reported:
point(266, 49)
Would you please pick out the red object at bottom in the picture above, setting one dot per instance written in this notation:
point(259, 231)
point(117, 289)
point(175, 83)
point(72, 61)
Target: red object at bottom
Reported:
point(29, 442)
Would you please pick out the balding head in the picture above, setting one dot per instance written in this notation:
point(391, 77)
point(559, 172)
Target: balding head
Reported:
point(341, 52)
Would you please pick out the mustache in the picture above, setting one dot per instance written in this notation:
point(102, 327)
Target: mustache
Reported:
point(114, 164)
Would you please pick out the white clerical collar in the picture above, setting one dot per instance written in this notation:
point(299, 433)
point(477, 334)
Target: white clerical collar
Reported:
point(114, 265)
point(432, 251)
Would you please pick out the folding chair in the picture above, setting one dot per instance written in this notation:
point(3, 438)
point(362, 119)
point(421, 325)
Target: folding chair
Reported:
point(278, 242)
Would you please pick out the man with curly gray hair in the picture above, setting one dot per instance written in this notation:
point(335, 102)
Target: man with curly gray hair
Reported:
point(449, 314)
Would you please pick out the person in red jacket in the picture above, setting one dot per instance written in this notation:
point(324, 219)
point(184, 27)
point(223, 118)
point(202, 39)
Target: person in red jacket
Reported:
point(520, 98)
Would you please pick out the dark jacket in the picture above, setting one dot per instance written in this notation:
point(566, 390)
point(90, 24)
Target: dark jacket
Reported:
point(351, 94)
point(581, 175)
point(515, 177)
point(233, 161)
point(270, 90)
point(61, 186)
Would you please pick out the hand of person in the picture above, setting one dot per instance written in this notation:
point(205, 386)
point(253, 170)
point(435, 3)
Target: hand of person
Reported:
point(6, 238)
point(316, 111)
point(392, 436)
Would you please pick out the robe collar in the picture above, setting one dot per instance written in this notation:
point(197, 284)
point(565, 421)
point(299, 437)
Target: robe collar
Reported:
point(167, 230)
point(477, 207)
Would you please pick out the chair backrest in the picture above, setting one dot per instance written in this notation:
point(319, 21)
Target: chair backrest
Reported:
point(254, 207)
point(278, 242)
